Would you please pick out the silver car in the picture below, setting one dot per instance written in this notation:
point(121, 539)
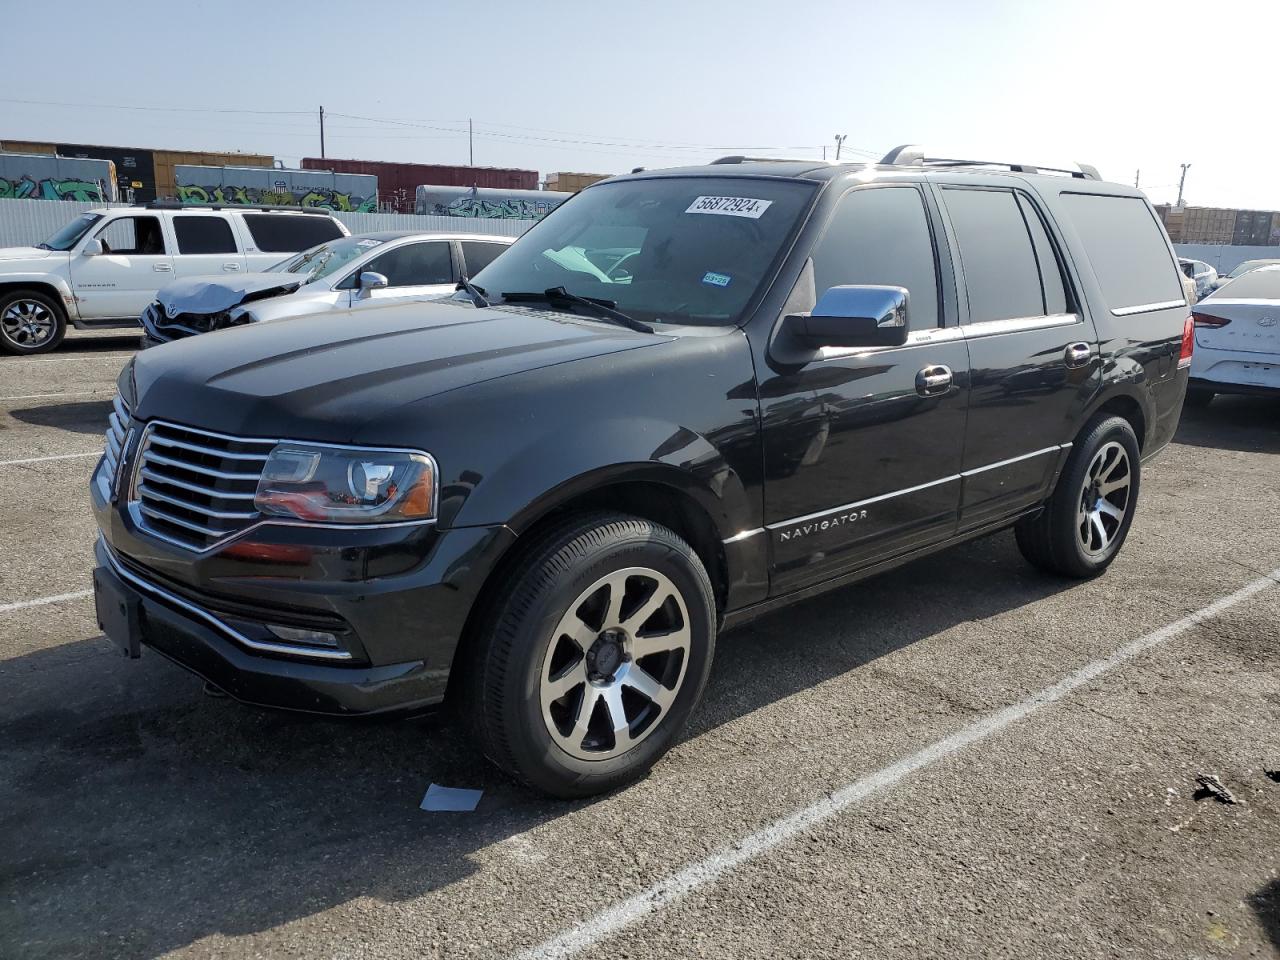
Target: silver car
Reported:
point(349, 272)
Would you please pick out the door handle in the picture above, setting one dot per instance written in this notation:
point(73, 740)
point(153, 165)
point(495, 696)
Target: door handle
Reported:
point(933, 381)
point(162, 267)
point(231, 266)
point(1077, 355)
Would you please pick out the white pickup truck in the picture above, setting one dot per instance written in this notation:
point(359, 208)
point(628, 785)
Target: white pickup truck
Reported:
point(104, 268)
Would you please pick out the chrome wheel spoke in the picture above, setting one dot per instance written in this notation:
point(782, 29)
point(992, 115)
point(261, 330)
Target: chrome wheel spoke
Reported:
point(651, 643)
point(586, 707)
point(649, 688)
point(617, 718)
point(1096, 520)
point(1110, 509)
point(1113, 486)
point(562, 684)
point(647, 609)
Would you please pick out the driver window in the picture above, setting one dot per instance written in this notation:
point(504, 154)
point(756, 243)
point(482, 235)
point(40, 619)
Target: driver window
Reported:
point(414, 265)
point(880, 236)
point(137, 236)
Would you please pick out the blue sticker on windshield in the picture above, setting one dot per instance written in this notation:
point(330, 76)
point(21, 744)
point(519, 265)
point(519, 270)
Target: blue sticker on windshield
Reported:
point(716, 279)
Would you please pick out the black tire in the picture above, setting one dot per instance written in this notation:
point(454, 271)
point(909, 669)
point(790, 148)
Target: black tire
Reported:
point(513, 649)
point(1055, 539)
point(1198, 399)
point(28, 302)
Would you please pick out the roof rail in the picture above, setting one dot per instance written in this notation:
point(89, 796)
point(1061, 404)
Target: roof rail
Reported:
point(910, 155)
point(741, 159)
point(177, 205)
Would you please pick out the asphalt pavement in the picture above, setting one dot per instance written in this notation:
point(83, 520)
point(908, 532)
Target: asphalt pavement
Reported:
point(962, 758)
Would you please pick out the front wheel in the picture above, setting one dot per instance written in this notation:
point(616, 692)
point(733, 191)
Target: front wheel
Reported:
point(1085, 522)
point(30, 322)
point(593, 656)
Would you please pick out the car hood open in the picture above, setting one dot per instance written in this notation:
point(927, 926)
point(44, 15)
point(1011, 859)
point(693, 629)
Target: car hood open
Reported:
point(214, 294)
point(322, 377)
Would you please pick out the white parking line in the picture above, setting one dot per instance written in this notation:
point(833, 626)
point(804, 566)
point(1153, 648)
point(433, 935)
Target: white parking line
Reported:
point(60, 456)
point(704, 872)
point(40, 602)
point(44, 396)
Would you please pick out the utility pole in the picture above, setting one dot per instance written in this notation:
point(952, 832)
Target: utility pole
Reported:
point(1182, 180)
point(840, 139)
point(471, 145)
point(322, 133)
point(1137, 175)
point(824, 151)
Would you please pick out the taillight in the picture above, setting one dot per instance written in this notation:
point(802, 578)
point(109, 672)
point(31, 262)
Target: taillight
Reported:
point(1208, 320)
point(1188, 341)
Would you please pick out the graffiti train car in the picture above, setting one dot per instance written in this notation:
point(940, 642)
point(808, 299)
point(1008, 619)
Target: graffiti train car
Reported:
point(342, 192)
point(31, 176)
point(482, 204)
point(398, 182)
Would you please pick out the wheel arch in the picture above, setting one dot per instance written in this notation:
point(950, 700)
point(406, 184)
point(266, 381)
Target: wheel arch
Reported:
point(1128, 404)
point(43, 286)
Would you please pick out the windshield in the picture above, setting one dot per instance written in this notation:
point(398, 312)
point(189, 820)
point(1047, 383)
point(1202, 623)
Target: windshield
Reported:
point(679, 250)
point(68, 236)
point(326, 258)
point(1262, 283)
point(1250, 265)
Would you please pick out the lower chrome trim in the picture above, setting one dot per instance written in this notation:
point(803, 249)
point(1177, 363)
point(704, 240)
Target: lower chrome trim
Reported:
point(266, 647)
point(1148, 308)
point(862, 503)
point(1012, 460)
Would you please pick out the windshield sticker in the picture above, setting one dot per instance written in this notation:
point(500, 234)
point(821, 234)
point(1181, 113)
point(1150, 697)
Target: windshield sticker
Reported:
point(730, 206)
point(367, 243)
point(716, 279)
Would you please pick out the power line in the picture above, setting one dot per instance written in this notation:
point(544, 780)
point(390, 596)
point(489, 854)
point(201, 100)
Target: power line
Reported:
point(121, 106)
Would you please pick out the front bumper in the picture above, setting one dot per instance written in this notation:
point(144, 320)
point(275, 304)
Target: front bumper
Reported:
point(396, 598)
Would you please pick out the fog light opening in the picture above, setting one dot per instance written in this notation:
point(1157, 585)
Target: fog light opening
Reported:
point(306, 638)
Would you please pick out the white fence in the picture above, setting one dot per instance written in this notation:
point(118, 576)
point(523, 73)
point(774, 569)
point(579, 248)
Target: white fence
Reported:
point(26, 222)
point(1223, 257)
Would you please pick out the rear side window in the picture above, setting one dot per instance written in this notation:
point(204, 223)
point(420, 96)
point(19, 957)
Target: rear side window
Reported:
point(1053, 286)
point(1001, 272)
point(204, 235)
point(414, 265)
point(880, 236)
point(276, 233)
point(1127, 250)
point(478, 254)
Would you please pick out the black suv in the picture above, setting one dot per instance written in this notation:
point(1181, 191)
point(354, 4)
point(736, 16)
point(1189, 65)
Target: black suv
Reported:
point(683, 399)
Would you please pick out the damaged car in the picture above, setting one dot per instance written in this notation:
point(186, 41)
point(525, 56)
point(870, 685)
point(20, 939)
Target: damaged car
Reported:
point(340, 274)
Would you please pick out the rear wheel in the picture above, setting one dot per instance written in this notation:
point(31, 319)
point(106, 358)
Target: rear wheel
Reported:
point(1087, 519)
point(593, 656)
point(30, 322)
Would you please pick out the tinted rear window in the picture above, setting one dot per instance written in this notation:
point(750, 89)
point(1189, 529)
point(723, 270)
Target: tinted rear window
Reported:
point(1126, 248)
point(1001, 274)
point(274, 233)
point(1263, 284)
point(204, 235)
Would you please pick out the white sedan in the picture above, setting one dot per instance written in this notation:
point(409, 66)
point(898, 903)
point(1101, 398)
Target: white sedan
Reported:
point(1238, 338)
point(339, 274)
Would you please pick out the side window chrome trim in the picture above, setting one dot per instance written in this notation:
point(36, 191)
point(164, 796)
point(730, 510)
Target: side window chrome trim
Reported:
point(916, 338)
point(1148, 308)
point(992, 328)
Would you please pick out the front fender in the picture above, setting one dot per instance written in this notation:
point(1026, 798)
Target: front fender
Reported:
point(40, 280)
point(548, 469)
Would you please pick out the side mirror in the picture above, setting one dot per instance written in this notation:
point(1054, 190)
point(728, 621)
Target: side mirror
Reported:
point(92, 247)
point(370, 281)
point(854, 316)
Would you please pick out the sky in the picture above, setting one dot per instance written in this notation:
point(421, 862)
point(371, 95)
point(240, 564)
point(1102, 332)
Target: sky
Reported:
point(1127, 85)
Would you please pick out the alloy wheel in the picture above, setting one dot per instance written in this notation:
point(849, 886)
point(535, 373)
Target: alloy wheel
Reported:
point(28, 323)
point(1104, 501)
point(615, 663)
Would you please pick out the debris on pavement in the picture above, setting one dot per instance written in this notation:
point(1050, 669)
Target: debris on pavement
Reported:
point(450, 799)
point(1211, 786)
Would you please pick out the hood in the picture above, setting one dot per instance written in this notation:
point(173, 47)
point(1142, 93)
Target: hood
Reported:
point(219, 292)
point(322, 377)
point(26, 253)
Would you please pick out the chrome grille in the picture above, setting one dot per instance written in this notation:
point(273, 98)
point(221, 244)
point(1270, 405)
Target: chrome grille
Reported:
point(196, 488)
point(117, 427)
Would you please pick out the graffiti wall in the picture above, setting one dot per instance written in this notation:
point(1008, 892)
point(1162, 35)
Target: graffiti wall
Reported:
point(481, 203)
point(43, 177)
point(340, 192)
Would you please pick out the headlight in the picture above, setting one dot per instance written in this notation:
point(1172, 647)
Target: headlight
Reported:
point(346, 485)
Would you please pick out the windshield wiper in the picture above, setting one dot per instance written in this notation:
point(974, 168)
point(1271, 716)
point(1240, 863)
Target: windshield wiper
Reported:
point(475, 293)
point(604, 309)
point(43, 246)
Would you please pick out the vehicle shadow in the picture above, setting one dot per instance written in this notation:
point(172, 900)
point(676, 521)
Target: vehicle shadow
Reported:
point(1247, 424)
point(86, 416)
point(1266, 905)
point(91, 343)
point(142, 816)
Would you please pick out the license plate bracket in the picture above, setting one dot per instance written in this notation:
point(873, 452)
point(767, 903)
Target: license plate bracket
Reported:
point(119, 615)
